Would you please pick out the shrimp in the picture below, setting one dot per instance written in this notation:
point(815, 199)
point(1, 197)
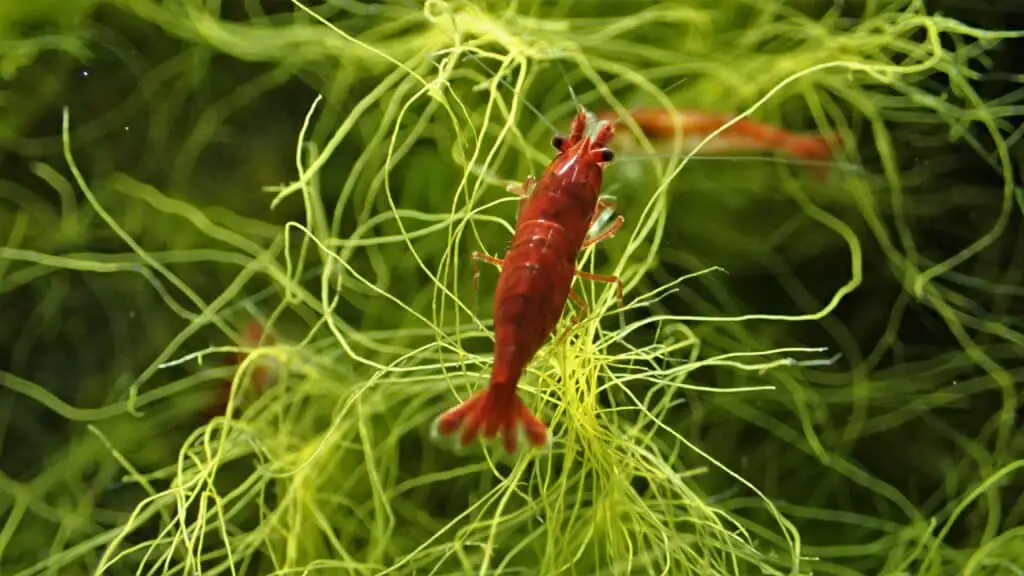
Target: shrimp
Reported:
point(264, 372)
point(744, 135)
point(555, 216)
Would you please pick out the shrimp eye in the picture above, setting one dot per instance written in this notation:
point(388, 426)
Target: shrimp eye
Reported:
point(607, 155)
point(558, 142)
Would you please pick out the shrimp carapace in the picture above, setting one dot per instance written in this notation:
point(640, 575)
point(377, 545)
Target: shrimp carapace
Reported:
point(556, 213)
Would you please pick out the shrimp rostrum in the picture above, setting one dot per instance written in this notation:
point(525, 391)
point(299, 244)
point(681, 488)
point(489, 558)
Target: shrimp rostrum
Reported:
point(556, 213)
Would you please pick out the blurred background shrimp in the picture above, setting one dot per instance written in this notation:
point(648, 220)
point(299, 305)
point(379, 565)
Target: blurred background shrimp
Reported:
point(263, 373)
point(661, 125)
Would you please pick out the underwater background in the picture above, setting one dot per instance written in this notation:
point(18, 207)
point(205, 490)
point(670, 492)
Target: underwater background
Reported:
point(814, 371)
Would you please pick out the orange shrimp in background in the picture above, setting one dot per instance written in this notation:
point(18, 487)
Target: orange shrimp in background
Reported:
point(555, 216)
point(746, 135)
point(263, 373)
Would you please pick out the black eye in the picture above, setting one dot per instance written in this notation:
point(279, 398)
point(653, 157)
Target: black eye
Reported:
point(557, 142)
point(607, 155)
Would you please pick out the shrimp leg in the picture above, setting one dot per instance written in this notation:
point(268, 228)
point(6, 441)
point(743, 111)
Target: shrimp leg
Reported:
point(582, 305)
point(477, 257)
point(605, 234)
point(611, 230)
point(602, 205)
point(606, 279)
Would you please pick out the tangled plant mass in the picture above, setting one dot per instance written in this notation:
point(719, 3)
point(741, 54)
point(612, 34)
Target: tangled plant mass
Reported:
point(707, 427)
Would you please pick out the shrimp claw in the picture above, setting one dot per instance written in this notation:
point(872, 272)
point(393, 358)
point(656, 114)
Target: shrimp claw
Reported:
point(490, 412)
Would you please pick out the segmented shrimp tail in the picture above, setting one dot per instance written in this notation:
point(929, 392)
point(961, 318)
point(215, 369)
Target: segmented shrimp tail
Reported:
point(491, 412)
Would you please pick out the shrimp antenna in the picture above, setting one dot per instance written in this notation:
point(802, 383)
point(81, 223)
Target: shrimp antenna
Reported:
point(592, 120)
point(526, 103)
point(572, 93)
point(846, 166)
point(671, 86)
point(676, 84)
point(505, 83)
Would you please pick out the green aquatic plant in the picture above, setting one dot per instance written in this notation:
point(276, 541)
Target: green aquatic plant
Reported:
point(424, 113)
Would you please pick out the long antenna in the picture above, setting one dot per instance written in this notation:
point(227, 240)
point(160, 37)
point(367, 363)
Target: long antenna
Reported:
point(845, 166)
point(505, 83)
